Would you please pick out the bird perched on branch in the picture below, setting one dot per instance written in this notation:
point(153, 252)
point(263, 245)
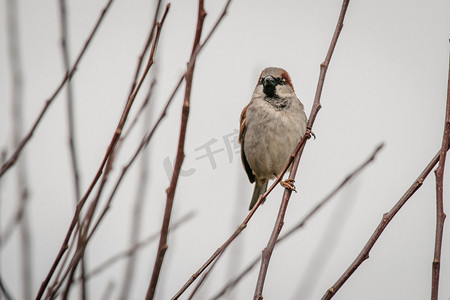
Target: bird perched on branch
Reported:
point(271, 126)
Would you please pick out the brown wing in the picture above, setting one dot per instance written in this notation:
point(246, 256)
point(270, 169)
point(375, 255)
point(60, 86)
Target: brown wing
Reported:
point(242, 131)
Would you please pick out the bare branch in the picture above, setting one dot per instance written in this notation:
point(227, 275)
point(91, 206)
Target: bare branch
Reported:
point(440, 215)
point(267, 252)
point(22, 185)
point(71, 122)
point(146, 46)
point(387, 217)
point(136, 223)
point(202, 280)
point(69, 94)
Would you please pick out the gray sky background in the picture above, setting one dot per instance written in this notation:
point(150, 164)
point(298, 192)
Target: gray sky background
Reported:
point(387, 82)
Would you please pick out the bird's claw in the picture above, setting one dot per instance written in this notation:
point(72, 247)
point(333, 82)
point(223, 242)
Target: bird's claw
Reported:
point(309, 133)
point(288, 184)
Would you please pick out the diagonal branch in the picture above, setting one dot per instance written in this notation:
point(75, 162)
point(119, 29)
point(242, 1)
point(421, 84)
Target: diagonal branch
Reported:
point(267, 252)
point(440, 215)
point(387, 217)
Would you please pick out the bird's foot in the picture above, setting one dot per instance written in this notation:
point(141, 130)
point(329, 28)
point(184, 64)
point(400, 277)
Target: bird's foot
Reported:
point(309, 133)
point(288, 184)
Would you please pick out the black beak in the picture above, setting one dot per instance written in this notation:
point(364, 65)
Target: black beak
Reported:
point(269, 84)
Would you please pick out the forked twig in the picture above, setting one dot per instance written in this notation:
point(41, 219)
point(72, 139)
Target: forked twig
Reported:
point(440, 215)
point(267, 252)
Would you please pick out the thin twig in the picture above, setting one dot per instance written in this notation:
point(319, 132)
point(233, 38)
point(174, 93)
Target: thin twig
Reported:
point(387, 217)
point(204, 276)
point(136, 223)
point(440, 215)
point(70, 97)
point(162, 247)
point(71, 122)
point(13, 158)
point(305, 219)
point(267, 252)
point(139, 112)
point(146, 46)
point(17, 103)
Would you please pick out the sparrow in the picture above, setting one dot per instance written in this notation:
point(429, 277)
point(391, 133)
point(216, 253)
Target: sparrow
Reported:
point(271, 126)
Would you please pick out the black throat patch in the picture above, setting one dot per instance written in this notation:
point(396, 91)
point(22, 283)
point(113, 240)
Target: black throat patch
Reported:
point(277, 102)
point(270, 91)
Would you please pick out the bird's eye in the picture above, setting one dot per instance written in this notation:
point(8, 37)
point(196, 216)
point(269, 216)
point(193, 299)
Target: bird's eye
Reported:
point(261, 81)
point(280, 80)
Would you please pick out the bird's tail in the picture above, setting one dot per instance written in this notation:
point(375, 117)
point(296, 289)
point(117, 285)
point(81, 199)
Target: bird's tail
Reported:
point(260, 188)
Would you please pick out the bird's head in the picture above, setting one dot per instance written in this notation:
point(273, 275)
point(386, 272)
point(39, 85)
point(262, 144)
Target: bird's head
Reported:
point(275, 83)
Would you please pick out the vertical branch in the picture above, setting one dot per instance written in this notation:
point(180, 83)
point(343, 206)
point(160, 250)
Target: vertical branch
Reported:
point(17, 120)
point(440, 215)
point(70, 108)
point(179, 158)
point(267, 252)
point(71, 122)
point(136, 223)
